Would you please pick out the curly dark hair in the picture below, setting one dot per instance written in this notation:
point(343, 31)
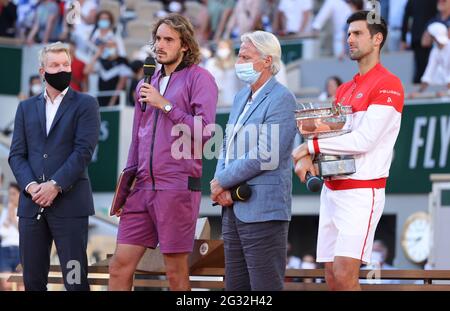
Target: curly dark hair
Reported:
point(186, 31)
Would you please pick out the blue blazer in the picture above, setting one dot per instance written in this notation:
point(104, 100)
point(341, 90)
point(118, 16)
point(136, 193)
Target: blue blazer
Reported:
point(271, 183)
point(63, 155)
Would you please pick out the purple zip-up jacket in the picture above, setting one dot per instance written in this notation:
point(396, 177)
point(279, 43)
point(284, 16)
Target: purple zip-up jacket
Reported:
point(192, 92)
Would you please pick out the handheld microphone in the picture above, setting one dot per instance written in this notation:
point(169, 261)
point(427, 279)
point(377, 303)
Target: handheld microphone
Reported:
point(313, 183)
point(149, 70)
point(240, 192)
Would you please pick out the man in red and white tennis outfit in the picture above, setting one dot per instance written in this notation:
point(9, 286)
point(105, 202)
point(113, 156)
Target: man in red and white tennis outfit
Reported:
point(351, 206)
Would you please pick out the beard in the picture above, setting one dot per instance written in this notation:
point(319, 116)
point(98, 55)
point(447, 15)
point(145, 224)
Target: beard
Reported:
point(172, 60)
point(359, 54)
point(356, 56)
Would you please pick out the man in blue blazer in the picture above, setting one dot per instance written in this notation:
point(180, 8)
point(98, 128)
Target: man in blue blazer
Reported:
point(55, 135)
point(259, 139)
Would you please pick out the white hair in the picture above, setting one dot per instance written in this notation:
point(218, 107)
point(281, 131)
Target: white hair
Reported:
point(267, 45)
point(56, 47)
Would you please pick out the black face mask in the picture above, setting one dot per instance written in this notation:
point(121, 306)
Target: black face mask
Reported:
point(59, 80)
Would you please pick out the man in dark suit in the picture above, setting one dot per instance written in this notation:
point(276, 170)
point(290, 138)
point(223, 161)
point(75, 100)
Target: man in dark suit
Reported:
point(55, 134)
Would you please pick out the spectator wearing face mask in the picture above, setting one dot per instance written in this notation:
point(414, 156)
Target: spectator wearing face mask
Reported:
point(378, 262)
point(221, 66)
point(379, 255)
point(105, 31)
point(34, 87)
point(113, 73)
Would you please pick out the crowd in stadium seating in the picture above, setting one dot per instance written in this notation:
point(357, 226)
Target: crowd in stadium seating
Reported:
point(110, 37)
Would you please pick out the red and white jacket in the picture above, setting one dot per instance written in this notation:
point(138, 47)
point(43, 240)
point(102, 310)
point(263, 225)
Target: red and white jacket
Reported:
point(377, 99)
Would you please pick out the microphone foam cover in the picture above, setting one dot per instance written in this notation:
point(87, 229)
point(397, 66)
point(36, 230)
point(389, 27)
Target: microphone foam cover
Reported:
point(149, 66)
point(314, 183)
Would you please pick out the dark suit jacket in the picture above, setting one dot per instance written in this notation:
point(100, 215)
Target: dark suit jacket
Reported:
point(63, 155)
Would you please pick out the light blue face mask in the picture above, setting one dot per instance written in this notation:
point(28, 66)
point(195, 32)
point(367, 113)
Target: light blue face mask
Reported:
point(103, 24)
point(246, 73)
point(108, 52)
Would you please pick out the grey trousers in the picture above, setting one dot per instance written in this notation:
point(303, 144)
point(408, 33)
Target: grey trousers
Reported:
point(255, 253)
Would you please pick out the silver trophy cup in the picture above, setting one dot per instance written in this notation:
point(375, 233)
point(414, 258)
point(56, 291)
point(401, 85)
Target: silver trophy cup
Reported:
point(322, 120)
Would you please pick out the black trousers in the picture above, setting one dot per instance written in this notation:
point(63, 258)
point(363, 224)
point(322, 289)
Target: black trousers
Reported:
point(70, 236)
point(421, 56)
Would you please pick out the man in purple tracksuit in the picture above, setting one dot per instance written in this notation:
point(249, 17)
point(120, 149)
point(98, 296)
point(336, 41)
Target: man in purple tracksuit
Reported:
point(164, 203)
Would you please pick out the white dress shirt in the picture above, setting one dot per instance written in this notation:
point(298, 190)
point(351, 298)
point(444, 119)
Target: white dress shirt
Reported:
point(52, 107)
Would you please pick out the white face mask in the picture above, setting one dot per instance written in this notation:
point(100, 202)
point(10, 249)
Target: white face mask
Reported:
point(36, 89)
point(246, 73)
point(223, 53)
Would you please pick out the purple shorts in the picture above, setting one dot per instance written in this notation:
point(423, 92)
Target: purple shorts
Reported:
point(165, 216)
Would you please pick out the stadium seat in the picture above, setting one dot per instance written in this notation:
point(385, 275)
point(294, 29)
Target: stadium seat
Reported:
point(146, 11)
point(139, 30)
point(132, 45)
point(193, 9)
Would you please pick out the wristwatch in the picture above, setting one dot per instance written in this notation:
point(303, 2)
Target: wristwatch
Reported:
point(167, 108)
point(56, 185)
